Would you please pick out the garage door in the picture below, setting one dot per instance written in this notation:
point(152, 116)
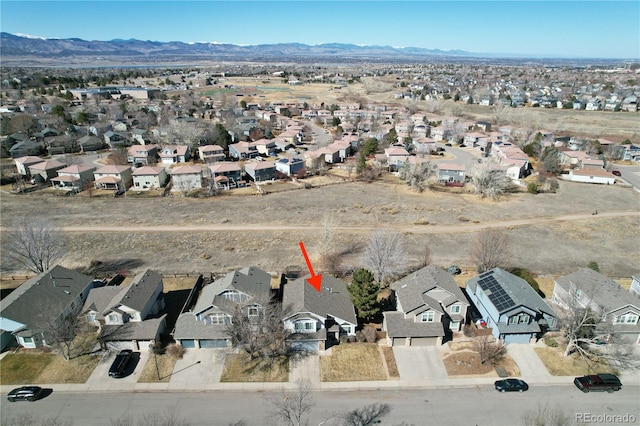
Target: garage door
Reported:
point(304, 346)
point(399, 341)
point(208, 344)
point(118, 346)
point(424, 341)
point(188, 344)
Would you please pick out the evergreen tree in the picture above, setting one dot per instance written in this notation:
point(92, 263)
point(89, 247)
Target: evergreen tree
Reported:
point(364, 294)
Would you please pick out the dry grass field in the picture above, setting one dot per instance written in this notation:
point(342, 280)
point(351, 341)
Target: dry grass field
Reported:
point(161, 373)
point(248, 232)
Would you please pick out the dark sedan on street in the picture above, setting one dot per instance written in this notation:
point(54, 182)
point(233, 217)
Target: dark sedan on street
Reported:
point(25, 393)
point(511, 385)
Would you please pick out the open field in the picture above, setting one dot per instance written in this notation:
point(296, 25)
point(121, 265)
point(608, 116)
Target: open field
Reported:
point(171, 235)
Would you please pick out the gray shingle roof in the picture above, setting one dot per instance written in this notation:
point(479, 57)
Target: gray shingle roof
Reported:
point(143, 330)
point(44, 297)
point(599, 288)
point(397, 326)
point(518, 290)
point(411, 289)
point(100, 299)
point(332, 300)
point(141, 289)
point(252, 281)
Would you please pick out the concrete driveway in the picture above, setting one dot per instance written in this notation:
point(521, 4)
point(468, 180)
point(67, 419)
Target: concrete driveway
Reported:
point(419, 363)
point(198, 367)
point(531, 367)
point(100, 375)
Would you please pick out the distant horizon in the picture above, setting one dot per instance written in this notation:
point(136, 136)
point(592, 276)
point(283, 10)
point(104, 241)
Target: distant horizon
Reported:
point(537, 29)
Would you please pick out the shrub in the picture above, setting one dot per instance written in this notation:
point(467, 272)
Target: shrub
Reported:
point(176, 350)
point(551, 342)
point(532, 188)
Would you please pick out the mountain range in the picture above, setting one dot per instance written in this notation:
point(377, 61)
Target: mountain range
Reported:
point(18, 46)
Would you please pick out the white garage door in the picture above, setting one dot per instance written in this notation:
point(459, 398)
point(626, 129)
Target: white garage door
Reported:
point(424, 341)
point(399, 341)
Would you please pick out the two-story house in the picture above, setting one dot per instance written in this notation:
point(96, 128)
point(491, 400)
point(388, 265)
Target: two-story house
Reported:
point(172, 154)
point(204, 324)
point(113, 177)
point(317, 319)
point(74, 177)
point(429, 307)
point(130, 317)
point(186, 178)
point(211, 153)
point(226, 175)
point(142, 154)
point(510, 306)
point(617, 310)
point(148, 177)
point(261, 171)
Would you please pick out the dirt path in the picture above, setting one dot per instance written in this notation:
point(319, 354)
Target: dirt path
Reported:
point(407, 228)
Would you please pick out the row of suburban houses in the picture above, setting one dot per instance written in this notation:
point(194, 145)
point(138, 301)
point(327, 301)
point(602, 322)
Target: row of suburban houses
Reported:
point(429, 308)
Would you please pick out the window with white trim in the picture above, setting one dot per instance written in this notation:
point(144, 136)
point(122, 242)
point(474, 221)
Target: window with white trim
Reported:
point(305, 326)
point(521, 318)
point(114, 318)
point(234, 295)
point(91, 317)
point(253, 311)
point(428, 316)
point(455, 309)
point(218, 318)
point(627, 318)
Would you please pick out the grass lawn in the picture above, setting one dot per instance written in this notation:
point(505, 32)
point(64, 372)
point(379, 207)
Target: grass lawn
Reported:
point(23, 368)
point(165, 368)
point(352, 362)
point(76, 370)
point(390, 359)
point(239, 368)
point(558, 365)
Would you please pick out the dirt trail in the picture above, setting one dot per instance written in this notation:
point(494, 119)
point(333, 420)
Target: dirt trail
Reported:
point(407, 228)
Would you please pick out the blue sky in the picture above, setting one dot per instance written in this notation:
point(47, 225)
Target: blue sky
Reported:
point(591, 29)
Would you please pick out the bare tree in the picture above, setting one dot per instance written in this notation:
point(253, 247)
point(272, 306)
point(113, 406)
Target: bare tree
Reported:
point(385, 254)
point(166, 418)
point(490, 179)
point(417, 175)
point(545, 415)
point(292, 407)
point(27, 419)
point(61, 333)
point(585, 328)
point(182, 133)
point(491, 250)
point(367, 415)
point(34, 244)
point(489, 349)
point(256, 328)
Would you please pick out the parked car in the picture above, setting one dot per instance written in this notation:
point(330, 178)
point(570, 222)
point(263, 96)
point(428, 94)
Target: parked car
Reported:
point(598, 383)
point(25, 393)
point(511, 385)
point(447, 144)
point(616, 172)
point(119, 366)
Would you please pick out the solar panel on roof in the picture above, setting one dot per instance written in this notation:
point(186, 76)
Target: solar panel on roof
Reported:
point(498, 296)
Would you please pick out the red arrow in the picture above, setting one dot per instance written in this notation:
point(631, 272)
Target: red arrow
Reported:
point(315, 280)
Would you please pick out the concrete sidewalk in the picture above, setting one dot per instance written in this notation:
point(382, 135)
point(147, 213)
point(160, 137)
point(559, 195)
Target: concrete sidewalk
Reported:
point(199, 371)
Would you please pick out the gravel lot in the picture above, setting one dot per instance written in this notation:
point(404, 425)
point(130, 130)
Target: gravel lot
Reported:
point(546, 248)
